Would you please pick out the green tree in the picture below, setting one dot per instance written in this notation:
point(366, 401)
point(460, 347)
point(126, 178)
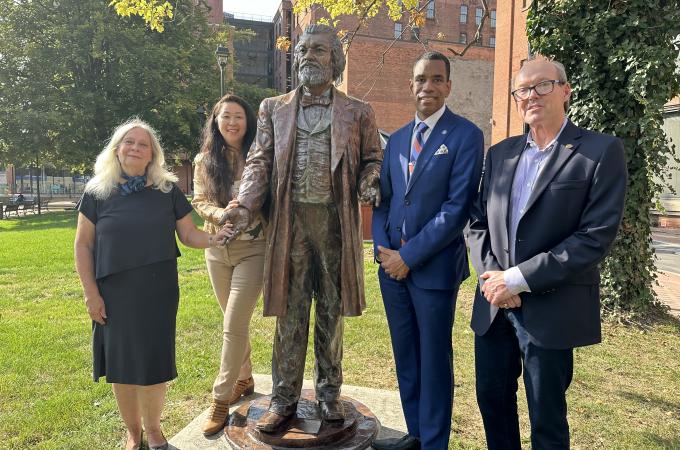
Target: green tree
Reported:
point(71, 70)
point(621, 57)
point(250, 93)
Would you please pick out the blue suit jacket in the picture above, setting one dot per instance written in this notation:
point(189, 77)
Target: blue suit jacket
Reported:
point(434, 204)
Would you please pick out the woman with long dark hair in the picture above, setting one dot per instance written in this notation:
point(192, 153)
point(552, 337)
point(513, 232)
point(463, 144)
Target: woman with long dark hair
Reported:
point(235, 270)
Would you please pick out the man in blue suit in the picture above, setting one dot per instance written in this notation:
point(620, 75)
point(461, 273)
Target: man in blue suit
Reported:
point(429, 178)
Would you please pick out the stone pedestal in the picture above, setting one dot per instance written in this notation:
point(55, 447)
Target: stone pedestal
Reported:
point(305, 430)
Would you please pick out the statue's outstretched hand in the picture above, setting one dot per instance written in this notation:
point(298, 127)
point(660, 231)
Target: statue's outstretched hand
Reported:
point(369, 189)
point(239, 217)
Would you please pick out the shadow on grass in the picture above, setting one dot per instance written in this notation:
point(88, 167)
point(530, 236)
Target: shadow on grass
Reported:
point(45, 221)
point(662, 442)
point(657, 315)
point(653, 400)
point(662, 316)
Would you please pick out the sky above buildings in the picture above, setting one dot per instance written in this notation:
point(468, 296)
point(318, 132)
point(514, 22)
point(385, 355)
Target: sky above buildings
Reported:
point(256, 7)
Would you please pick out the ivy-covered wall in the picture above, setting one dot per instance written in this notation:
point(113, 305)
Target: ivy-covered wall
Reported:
point(621, 56)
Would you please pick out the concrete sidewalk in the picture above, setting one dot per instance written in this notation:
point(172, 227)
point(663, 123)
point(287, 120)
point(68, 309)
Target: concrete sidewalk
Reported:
point(384, 404)
point(668, 291)
point(666, 242)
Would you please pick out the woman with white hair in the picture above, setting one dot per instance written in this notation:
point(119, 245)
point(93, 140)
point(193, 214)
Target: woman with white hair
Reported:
point(126, 257)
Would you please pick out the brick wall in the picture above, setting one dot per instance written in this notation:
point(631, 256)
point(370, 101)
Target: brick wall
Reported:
point(283, 60)
point(386, 86)
point(216, 14)
point(471, 89)
point(511, 49)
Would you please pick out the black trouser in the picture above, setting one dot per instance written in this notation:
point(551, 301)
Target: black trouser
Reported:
point(500, 355)
point(314, 264)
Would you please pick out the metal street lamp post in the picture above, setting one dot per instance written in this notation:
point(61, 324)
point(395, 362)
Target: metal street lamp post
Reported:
point(201, 111)
point(222, 55)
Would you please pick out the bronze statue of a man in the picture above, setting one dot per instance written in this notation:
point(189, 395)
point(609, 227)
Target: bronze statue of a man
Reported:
point(315, 156)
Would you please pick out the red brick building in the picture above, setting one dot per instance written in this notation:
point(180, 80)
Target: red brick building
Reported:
point(512, 48)
point(381, 56)
point(283, 25)
point(216, 10)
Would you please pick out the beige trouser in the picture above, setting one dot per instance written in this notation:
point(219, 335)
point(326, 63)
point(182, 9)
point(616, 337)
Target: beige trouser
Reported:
point(236, 276)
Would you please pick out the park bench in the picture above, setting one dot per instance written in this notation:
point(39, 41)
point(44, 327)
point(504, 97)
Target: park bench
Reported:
point(27, 206)
point(14, 208)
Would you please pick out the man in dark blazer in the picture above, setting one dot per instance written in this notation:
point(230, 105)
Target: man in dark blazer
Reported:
point(429, 178)
point(547, 212)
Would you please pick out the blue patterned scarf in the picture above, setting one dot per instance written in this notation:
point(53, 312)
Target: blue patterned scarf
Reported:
point(132, 184)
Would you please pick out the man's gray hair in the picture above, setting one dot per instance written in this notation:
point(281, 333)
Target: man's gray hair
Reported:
point(561, 74)
point(338, 59)
point(561, 71)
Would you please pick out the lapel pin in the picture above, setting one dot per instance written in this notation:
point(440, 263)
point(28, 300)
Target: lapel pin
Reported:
point(569, 146)
point(443, 131)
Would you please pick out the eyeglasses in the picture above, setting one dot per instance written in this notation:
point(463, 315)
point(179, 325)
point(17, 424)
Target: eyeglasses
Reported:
point(542, 88)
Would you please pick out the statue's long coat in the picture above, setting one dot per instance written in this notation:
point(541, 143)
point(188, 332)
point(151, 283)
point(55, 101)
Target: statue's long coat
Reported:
point(355, 152)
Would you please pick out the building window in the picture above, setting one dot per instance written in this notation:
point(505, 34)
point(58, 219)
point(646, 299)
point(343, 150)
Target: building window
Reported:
point(397, 30)
point(463, 13)
point(492, 41)
point(430, 10)
point(462, 38)
point(492, 16)
point(478, 16)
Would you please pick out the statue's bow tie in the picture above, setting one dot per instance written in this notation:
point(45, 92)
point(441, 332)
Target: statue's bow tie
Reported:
point(309, 99)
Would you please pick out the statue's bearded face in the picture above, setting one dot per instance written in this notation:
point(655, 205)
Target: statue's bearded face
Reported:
point(315, 62)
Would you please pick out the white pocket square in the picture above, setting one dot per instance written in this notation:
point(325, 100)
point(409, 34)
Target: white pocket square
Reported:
point(442, 150)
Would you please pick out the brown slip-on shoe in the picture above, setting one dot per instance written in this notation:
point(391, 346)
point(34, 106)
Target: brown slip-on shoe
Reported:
point(242, 388)
point(217, 417)
point(271, 421)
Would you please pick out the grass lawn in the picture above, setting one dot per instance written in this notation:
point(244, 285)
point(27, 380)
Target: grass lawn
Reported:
point(625, 393)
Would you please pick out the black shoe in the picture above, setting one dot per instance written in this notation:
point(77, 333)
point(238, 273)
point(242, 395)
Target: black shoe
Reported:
point(404, 443)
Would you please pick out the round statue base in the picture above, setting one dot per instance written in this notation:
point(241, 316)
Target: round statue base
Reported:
point(305, 429)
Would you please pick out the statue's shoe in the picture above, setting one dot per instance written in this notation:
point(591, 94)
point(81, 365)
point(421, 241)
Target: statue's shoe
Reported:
point(332, 411)
point(271, 421)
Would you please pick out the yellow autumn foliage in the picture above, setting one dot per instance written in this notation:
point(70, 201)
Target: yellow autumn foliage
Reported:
point(154, 12)
point(283, 43)
point(359, 8)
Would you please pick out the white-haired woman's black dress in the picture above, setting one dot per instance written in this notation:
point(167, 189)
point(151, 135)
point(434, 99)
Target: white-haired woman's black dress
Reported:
point(135, 259)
